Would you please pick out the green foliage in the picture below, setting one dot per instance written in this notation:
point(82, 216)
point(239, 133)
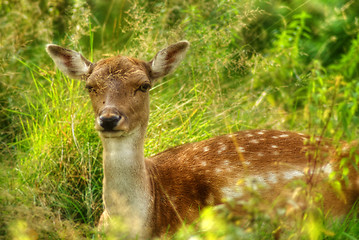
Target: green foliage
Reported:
point(252, 64)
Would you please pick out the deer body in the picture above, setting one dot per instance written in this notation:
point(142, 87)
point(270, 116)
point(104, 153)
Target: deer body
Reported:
point(203, 173)
point(158, 194)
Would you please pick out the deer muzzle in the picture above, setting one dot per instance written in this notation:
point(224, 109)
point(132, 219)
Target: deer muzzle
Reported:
point(110, 119)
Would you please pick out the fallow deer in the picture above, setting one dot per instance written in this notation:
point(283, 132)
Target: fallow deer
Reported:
point(157, 194)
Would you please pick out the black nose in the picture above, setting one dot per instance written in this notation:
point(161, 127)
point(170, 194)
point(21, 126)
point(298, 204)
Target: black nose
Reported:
point(108, 123)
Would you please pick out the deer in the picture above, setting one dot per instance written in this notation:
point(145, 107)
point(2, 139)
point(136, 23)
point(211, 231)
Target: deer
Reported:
point(156, 195)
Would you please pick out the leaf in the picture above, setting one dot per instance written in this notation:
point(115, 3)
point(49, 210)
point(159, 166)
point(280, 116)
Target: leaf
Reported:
point(313, 226)
point(336, 185)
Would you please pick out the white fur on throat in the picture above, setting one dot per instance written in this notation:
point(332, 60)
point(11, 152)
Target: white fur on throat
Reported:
point(126, 183)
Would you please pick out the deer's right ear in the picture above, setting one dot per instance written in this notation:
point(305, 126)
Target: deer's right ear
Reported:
point(70, 62)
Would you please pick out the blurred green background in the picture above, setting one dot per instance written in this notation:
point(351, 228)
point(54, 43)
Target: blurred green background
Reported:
point(252, 64)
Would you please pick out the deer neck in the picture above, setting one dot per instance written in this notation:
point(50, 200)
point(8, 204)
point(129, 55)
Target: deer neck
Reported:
point(126, 188)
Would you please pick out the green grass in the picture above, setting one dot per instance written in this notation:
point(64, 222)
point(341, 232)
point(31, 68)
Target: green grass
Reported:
point(251, 65)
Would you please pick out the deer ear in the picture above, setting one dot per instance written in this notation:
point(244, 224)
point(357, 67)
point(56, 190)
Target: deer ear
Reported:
point(167, 59)
point(71, 63)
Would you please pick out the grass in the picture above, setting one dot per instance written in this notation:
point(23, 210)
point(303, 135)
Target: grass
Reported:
point(251, 65)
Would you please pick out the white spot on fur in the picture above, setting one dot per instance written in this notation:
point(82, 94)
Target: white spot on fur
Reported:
point(234, 192)
point(276, 153)
point(301, 134)
point(257, 180)
point(292, 174)
point(247, 163)
point(218, 170)
point(345, 149)
point(206, 149)
point(203, 163)
point(274, 146)
point(249, 135)
point(327, 169)
point(226, 162)
point(241, 149)
point(272, 178)
point(222, 148)
point(275, 137)
point(254, 141)
point(284, 135)
point(260, 133)
point(260, 154)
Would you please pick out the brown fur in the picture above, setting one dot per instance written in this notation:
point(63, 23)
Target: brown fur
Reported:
point(183, 185)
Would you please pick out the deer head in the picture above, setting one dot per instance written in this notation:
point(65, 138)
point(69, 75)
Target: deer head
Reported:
point(119, 86)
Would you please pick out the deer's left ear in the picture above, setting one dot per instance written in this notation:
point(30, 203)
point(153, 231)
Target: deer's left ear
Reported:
point(70, 62)
point(167, 59)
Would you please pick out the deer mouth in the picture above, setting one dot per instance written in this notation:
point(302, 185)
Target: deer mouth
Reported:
point(113, 133)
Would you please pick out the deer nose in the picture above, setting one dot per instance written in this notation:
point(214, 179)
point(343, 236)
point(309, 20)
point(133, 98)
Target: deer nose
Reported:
point(108, 123)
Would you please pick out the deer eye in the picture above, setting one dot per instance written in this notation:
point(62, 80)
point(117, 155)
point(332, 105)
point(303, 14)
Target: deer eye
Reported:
point(90, 88)
point(145, 87)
